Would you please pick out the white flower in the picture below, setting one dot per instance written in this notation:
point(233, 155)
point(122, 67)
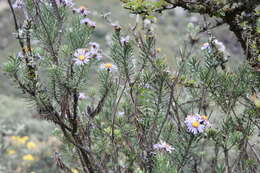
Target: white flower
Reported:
point(94, 45)
point(18, 4)
point(163, 146)
point(81, 56)
point(108, 67)
point(121, 114)
point(20, 54)
point(85, 21)
point(82, 96)
point(196, 123)
point(88, 22)
point(221, 47)
point(124, 40)
point(147, 24)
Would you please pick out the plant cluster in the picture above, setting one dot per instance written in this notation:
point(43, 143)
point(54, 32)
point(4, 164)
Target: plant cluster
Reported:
point(127, 111)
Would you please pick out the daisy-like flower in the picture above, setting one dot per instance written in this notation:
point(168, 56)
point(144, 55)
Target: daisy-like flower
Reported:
point(124, 40)
point(68, 3)
point(116, 26)
point(163, 146)
point(82, 96)
point(204, 120)
point(81, 10)
point(94, 53)
point(147, 23)
point(196, 123)
point(205, 46)
point(88, 22)
point(81, 56)
point(219, 45)
point(18, 4)
point(108, 67)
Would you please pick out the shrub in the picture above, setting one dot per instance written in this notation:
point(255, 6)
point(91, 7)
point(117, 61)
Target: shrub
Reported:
point(129, 112)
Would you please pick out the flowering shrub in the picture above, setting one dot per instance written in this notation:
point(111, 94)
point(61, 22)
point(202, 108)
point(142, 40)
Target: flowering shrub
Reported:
point(139, 116)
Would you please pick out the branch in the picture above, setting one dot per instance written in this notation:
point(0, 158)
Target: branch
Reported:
point(100, 104)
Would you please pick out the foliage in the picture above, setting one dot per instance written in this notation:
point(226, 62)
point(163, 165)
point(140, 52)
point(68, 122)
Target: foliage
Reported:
point(142, 117)
point(241, 16)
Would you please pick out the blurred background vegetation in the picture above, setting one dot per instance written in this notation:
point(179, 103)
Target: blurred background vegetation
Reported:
point(17, 118)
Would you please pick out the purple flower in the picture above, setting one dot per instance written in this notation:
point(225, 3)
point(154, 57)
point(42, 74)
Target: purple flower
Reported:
point(19, 4)
point(68, 3)
point(205, 46)
point(88, 22)
point(81, 10)
point(95, 53)
point(219, 45)
point(124, 40)
point(163, 146)
point(196, 123)
point(81, 56)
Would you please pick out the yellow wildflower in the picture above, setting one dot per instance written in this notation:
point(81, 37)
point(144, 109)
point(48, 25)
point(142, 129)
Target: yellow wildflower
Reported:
point(19, 140)
point(31, 145)
point(27, 49)
point(257, 103)
point(11, 152)
point(256, 100)
point(158, 50)
point(73, 170)
point(24, 139)
point(28, 157)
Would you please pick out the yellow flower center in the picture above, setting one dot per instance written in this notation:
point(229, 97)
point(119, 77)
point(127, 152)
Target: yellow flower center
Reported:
point(195, 124)
point(82, 8)
point(204, 117)
point(158, 50)
point(108, 65)
point(26, 49)
point(81, 57)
